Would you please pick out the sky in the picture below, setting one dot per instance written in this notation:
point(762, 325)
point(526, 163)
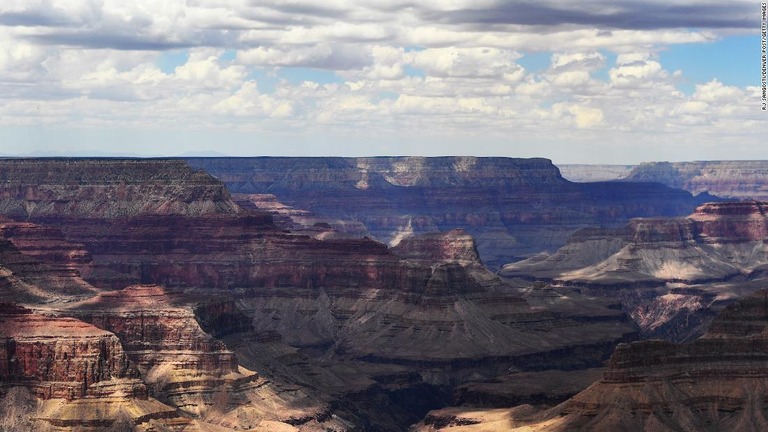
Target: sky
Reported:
point(596, 81)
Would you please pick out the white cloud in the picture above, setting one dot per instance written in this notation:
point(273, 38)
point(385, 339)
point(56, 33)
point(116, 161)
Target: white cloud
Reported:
point(447, 68)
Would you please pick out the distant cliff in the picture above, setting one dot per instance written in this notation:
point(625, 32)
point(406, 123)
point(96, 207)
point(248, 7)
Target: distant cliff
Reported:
point(512, 207)
point(107, 188)
point(726, 179)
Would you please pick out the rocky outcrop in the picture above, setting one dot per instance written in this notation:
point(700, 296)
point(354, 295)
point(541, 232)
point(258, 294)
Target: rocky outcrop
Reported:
point(726, 179)
point(324, 320)
point(512, 207)
point(300, 221)
point(24, 278)
point(670, 275)
point(62, 357)
point(717, 382)
point(156, 333)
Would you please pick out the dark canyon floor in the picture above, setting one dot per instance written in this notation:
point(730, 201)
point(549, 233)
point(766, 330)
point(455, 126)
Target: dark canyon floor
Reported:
point(378, 294)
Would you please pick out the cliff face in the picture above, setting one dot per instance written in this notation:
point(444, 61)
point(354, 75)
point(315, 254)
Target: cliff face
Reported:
point(107, 188)
point(718, 241)
point(61, 357)
point(671, 275)
point(719, 379)
point(718, 382)
point(726, 179)
point(512, 207)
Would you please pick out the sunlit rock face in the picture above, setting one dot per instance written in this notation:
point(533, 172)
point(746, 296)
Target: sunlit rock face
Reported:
point(512, 207)
point(726, 179)
point(720, 379)
point(62, 357)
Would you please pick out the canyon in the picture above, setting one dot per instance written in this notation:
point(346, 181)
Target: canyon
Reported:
point(736, 180)
point(727, 179)
point(345, 294)
point(512, 207)
point(670, 274)
point(717, 382)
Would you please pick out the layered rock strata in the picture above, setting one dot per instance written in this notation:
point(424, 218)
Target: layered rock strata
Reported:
point(414, 320)
point(62, 357)
point(718, 382)
point(512, 207)
point(670, 275)
point(727, 179)
point(718, 241)
point(107, 188)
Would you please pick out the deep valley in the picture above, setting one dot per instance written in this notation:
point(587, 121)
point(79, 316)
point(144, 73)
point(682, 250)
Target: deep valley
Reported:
point(378, 294)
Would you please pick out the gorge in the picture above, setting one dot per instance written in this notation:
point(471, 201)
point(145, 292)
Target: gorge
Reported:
point(346, 294)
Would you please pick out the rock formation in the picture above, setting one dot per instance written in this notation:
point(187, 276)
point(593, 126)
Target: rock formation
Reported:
point(231, 320)
point(718, 382)
point(671, 274)
point(717, 242)
point(726, 179)
point(512, 207)
point(107, 188)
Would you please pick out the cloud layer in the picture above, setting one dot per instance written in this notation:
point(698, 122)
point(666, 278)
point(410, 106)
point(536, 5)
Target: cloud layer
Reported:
point(442, 76)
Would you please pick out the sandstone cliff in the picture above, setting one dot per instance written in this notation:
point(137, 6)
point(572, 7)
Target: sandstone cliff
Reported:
point(670, 274)
point(312, 325)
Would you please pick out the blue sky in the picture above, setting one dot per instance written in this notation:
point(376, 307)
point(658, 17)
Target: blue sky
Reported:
point(598, 82)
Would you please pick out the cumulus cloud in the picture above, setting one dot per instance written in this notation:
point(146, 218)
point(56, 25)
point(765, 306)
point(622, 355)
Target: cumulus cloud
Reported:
point(421, 68)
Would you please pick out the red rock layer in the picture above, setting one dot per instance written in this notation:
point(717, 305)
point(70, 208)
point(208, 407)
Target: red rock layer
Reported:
point(154, 332)
point(61, 357)
point(718, 223)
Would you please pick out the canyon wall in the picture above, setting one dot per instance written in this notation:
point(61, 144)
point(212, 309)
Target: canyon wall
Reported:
point(512, 207)
point(726, 179)
point(228, 319)
point(718, 382)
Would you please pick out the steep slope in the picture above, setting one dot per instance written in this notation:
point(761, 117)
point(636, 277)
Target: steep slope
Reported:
point(107, 188)
point(70, 374)
point(512, 207)
point(718, 241)
point(670, 275)
point(726, 179)
point(717, 383)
